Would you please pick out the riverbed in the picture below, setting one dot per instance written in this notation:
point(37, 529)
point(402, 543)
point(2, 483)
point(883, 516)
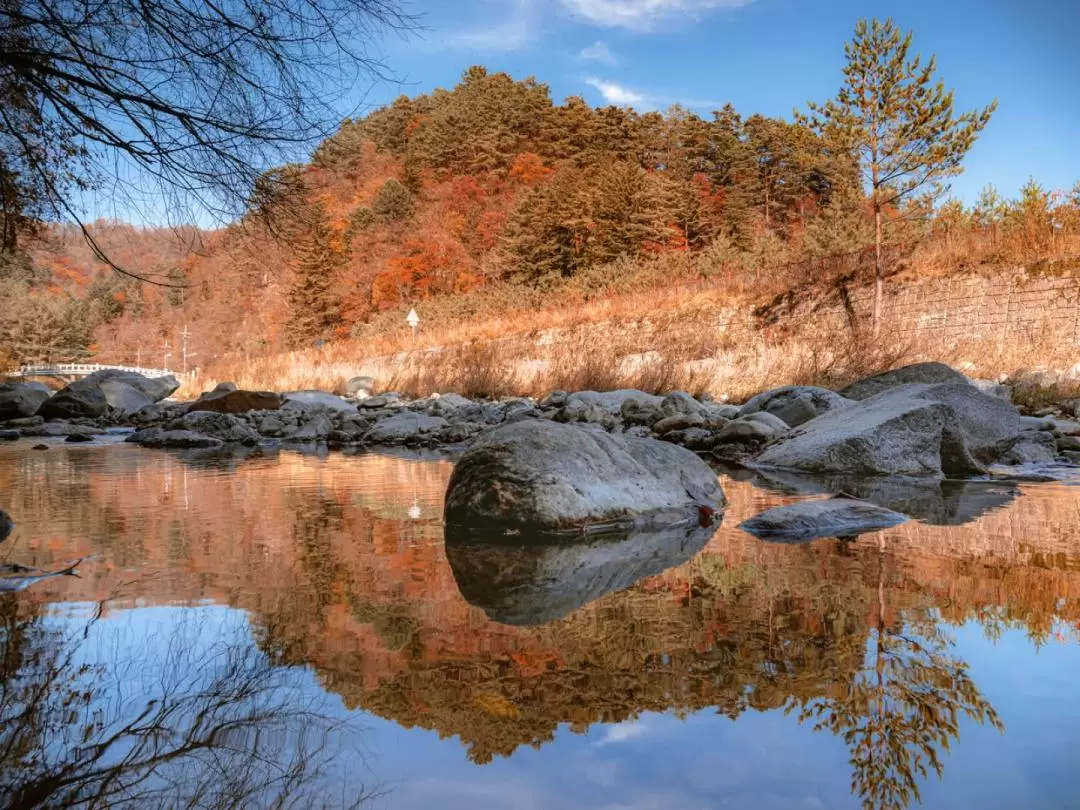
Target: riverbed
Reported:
point(289, 629)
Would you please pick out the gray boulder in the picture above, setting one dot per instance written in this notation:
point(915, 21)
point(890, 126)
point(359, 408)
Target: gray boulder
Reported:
point(795, 404)
point(680, 403)
point(316, 428)
point(387, 400)
point(906, 430)
point(155, 388)
point(994, 389)
point(754, 428)
point(18, 400)
point(1031, 447)
point(551, 477)
point(72, 402)
point(404, 427)
point(10, 435)
point(448, 404)
point(836, 517)
point(678, 421)
point(124, 399)
point(305, 400)
point(921, 373)
point(610, 401)
point(223, 426)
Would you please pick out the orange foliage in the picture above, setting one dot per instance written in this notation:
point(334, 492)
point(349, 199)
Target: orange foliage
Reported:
point(528, 167)
point(425, 268)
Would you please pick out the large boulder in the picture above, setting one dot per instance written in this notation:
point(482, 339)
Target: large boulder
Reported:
point(124, 399)
point(610, 401)
point(155, 388)
point(795, 404)
point(225, 400)
point(542, 579)
point(360, 387)
point(906, 430)
point(550, 477)
point(921, 373)
point(73, 402)
point(21, 399)
point(809, 520)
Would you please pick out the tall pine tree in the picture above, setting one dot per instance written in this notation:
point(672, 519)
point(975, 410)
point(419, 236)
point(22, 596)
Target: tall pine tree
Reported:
point(314, 305)
point(899, 121)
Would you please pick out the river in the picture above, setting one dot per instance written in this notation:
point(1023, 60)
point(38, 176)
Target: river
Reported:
point(289, 630)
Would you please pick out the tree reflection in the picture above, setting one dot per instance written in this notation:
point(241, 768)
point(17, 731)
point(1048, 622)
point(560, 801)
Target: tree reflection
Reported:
point(902, 711)
point(178, 722)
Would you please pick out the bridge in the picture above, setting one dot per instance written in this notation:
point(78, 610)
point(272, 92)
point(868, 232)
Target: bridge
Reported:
point(82, 370)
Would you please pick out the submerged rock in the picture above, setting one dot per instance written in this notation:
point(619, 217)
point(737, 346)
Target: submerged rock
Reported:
point(542, 475)
point(809, 520)
point(907, 430)
point(179, 439)
point(796, 404)
point(536, 579)
point(920, 373)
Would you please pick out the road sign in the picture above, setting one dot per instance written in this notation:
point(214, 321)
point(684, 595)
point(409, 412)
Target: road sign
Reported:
point(412, 319)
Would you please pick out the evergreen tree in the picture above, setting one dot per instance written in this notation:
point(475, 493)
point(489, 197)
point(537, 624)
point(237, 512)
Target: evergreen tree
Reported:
point(314, 306)
point(900, 123)
point(546, 236)
point(626, 212)
point(392, 202)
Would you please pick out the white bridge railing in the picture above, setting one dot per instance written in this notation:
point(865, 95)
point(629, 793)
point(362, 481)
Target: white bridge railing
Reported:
point(82, 370)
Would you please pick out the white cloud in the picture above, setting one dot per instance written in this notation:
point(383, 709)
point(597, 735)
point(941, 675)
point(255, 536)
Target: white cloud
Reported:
point(643, 15)
point(514, 32)
point(623, 732)
point(599, 52)
point(616, 94)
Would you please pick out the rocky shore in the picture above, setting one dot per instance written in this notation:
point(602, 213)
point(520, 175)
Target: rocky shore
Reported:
point(605, 450)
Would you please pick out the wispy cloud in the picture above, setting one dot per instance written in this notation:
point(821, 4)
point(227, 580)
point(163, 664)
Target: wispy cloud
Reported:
point(623, 732)
point(617, 94)
point(515, 31)
point(643, 15)
point(599, 52)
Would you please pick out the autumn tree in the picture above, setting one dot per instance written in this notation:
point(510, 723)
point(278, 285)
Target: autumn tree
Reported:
point(900, 122)
point(314, 305)
point(393, 202)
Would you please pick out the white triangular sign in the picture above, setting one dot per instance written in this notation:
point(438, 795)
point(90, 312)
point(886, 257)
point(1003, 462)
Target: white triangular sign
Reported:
point(412, 318)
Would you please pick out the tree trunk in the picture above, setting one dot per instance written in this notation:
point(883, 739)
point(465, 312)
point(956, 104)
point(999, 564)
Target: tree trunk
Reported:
point(879, 272)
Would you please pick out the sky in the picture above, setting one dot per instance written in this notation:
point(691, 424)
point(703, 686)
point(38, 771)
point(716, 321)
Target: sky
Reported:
point(771, 56)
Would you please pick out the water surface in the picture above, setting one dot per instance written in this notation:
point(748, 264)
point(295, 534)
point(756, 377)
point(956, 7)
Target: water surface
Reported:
point(290, 630)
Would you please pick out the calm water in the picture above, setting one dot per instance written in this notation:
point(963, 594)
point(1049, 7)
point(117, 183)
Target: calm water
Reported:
point(291, 631)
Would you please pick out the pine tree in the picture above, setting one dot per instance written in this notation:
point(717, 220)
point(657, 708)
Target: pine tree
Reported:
point(392, 202)
point(627, 212)
point(314, 306)
point(899, 121)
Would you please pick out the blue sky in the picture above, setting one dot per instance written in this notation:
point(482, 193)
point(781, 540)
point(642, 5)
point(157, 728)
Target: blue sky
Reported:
point(770, 56)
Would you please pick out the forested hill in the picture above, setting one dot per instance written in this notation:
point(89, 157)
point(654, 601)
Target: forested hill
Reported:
point(491, 185)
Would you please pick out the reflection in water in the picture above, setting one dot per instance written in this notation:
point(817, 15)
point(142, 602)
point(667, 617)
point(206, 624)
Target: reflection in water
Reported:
point(192, 716)
point(337, 567)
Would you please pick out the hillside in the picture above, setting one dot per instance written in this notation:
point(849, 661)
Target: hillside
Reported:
point(491, 204)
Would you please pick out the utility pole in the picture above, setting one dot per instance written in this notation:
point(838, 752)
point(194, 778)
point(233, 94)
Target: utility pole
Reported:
point(165, 354)
point(184, 353)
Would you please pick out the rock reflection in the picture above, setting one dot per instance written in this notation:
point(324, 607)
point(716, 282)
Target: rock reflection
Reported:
point(88, 720)
point(534, 581)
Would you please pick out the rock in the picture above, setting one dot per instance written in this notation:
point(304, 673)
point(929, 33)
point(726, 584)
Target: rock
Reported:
point(1031, 447)
point(795, 404)
point(1065, 427)
point(144, 435)
point(993, 388)
point(25, 422)
point(224, 388)
point(586, 412)
point(1051, 411)
point(635, 412)
point(1066, 442)
point(539, 581)
point(1071, 456)
point(448, 404)
point(678, 421)
point(271, 426)
point(222, 426)
point(404, 427)
point(57, 429)
point(304, 400)
point(71, 402)
point(1035, 423)
point(725, 412)
point(556, 399)
point(10, 435)
point(156, 388)
point(124, 399)
point(459, 432)
point(19, 400)
point(236, 401)
point(40, 447)
point(180, 439)
point(316, 428)
point(922, 373)
point(517, 409)
point(1071, 407)
point(381, 401)
point(610, 401)
point(755, 428)
point(692, 438)
point(546, 476)
point(680, 403)
point(906, 430)
point(79, 437)
point(360, 387)
point(836, 517)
